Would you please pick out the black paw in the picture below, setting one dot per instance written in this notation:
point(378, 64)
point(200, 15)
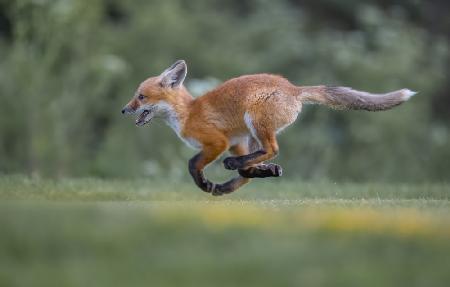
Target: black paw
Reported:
point(262, 171)
point(222, 189)
point(217, 192)
point(231, 163)
point(276, 170)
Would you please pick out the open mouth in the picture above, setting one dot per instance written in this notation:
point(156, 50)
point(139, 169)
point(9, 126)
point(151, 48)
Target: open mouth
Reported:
point(143, 118)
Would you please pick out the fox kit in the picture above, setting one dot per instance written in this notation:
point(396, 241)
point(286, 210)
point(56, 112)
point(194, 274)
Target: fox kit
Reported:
point(243, 115)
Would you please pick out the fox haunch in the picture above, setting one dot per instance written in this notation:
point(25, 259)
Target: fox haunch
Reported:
point(243, 115)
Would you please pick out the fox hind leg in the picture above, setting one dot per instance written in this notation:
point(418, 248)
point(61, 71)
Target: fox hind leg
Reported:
point(251, 165)
point(263, 130)
point(260, 170)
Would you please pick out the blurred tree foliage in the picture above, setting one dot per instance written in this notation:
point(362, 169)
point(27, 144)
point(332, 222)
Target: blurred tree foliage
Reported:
point(68, 66)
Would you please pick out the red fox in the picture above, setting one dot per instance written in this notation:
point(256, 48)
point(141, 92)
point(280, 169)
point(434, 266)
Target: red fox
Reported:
point(243, 115)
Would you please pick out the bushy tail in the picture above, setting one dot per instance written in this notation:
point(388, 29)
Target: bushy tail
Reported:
point(347, 98)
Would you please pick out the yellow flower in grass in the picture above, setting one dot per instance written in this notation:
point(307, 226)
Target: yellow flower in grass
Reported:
point(221, 215)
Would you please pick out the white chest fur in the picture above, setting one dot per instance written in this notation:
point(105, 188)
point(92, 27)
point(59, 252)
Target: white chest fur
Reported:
point(170, 116)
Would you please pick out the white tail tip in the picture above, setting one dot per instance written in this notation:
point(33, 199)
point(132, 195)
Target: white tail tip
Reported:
point(407, 93)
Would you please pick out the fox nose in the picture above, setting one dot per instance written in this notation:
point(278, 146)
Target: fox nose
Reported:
point(128, 110)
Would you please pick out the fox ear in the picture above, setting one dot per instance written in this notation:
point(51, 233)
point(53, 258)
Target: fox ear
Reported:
point(174, 76)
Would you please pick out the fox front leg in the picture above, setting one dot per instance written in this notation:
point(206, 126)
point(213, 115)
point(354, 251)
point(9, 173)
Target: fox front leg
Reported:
point(196, 170)
point(196, 166)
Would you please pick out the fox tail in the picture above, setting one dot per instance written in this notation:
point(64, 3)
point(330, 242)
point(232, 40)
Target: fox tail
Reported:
point(344, 98)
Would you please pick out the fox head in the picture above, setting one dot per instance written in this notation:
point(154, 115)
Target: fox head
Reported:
point(154, 94)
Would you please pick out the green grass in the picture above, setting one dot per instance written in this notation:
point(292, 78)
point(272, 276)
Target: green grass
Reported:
point(90, 232)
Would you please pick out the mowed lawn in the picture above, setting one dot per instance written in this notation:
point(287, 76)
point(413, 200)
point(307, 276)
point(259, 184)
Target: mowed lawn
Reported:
point(91, 232)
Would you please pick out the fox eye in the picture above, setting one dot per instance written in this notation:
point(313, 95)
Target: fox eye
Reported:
point(141, 97)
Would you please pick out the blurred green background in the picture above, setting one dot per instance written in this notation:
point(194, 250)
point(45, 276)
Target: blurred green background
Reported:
point(67, 68)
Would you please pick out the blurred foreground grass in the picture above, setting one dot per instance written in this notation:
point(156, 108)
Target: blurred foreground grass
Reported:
point(90, 232)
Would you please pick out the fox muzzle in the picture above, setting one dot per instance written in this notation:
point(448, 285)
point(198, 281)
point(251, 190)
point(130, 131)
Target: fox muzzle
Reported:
point(128, 110)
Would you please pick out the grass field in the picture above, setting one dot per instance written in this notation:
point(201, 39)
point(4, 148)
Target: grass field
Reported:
point(90, 232)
